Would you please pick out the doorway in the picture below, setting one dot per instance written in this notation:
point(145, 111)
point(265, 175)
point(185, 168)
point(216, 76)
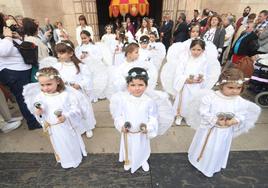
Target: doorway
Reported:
point(155, 12)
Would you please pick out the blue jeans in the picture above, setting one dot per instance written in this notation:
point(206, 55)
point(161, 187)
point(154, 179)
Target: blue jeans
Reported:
point(15, 80)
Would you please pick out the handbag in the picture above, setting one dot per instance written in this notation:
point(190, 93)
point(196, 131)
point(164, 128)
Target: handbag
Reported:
point(28, 51)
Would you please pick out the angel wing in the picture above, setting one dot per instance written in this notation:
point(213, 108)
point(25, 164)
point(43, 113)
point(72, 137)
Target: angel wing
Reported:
point(166, 113)
point(251, 116)
point(107, 56)
point(30, 91)
point(47, 62)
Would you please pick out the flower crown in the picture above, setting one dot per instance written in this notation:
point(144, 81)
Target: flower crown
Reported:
point(50, 76)
point(240, 81)
point(135, 74)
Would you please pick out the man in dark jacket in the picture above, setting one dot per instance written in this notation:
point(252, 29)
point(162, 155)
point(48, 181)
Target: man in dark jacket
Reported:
point(166, 30)
point(181, 32)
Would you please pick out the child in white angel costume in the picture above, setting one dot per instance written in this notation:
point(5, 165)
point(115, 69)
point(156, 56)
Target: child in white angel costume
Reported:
point(219, 115)
point(117, 74)
point(158, 50)
point(58, 109)
point(75, 74)
point(184, 75)
point(91, 55)
point(136, 117)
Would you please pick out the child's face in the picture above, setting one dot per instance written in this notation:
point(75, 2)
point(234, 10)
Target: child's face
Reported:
point(85, 39)
point(64, 57)
point(136, 87)
point(109, 30)
point(132, 56)
point(152, 38)
point(195, 32)
point(231, 89)
point(196, 50)
point(48, 85)
point(144, 45)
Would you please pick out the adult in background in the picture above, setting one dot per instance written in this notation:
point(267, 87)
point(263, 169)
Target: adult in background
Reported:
point(215, 33)
point(195, 19)
point(181, 32)
point(204, 19)
point(48, 28)
point(14, 73)
point(244, 18)
point(263, 41)
point(166, 31)
point(262, 21)
point(30, 30)
point(83, 25)
point(246, 44)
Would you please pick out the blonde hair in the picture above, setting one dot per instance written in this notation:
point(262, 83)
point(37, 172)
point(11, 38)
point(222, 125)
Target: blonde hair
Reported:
point(231, 75)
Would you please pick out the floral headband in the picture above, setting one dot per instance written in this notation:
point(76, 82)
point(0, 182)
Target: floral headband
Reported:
point(50, 76)
point(240, 81)
point(135, 74)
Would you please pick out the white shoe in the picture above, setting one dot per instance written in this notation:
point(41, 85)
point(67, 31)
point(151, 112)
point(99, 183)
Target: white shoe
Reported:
point(127, 167)
point(7, 127)
point(19, 118)
point(89, 134)
point(178, 120)
point(145, 167)
point(95, 100)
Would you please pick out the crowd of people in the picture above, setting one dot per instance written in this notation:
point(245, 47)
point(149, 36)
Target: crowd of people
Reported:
point(124, 66)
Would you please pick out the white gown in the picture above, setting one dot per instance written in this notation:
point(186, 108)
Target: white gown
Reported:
point(188, 65)
point(136, 110)
point(179, 49)
point(95, 65)
point(217, 149)
point(66, 141)
point(69, 75)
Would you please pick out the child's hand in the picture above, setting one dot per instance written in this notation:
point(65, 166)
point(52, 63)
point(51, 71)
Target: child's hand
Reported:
point(231, 122)
point(221, 122)
point(189, 81)
point(144, 131)
point(76, 86)
point(124, 130)
point(38, 111)
point(61, 119)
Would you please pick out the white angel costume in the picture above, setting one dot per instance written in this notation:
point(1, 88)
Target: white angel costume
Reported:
point(211, 144)
point(65, 138)
point(93, 61)
point(69, 75)
point(118, 55)
point(158, 51)
point(136, 110)
point(180, 67)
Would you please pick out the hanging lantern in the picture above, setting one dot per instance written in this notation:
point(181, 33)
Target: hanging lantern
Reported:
point(133, 7)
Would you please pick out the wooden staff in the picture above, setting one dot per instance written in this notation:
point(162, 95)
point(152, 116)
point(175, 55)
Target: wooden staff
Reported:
point(204, 145)
point(127, 126)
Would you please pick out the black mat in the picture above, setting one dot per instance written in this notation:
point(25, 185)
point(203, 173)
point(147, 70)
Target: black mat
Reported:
point(244, 169)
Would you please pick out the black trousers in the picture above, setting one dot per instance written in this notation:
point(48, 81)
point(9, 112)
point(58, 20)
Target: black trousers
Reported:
point(15, 80)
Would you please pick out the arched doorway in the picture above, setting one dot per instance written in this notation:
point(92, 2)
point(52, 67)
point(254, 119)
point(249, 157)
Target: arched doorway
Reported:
point(155, 12)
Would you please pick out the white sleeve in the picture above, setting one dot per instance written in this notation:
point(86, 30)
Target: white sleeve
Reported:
point(116, 109)
point(208, 119)
point(180, 77)
point(78, 38)
point(6, 46)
